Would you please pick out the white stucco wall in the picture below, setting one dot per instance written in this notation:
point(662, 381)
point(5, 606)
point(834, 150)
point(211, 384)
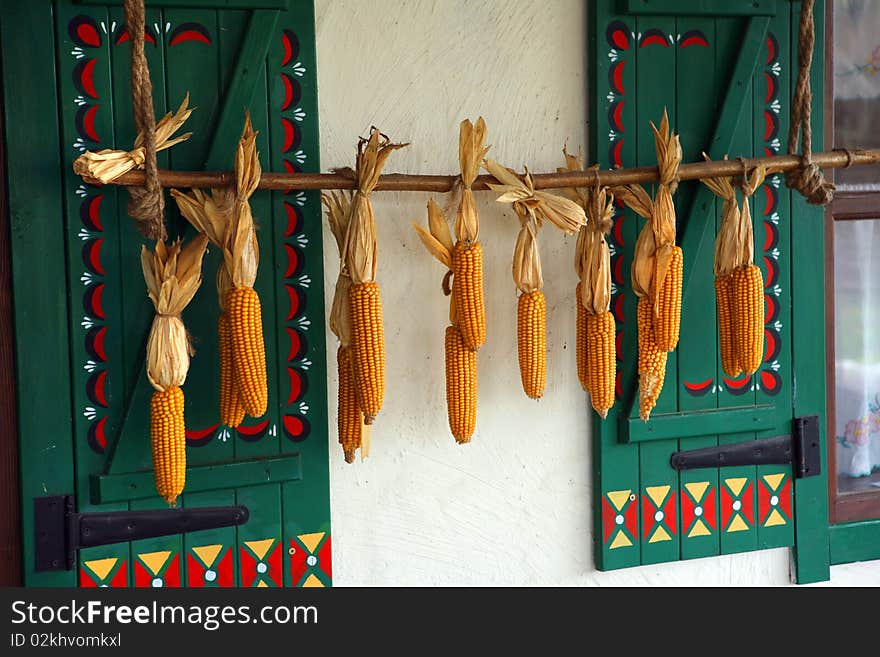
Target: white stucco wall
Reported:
point(513, 507)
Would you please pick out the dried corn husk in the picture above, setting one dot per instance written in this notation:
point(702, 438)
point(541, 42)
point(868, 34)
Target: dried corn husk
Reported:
point(338, 205)
point(361, 242)
point(107, 165)
point(471, 152)
point(173, 274)
point(240, 249)
point(746, 241)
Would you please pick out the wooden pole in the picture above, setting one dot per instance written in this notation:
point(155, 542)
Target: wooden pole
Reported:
point(399, 182)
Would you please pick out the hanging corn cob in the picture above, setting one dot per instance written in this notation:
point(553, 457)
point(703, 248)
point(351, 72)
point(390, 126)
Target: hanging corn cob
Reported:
point(365, 302)
point(657, 268)
point(211, 215)
point(173, 274)
point(464, 260)
point(461, 360)
point(350, 420)
point(533, 208)
point(739, 283)
point(596, 331)
point(104, 166)
point(726, 254)
point(241, 257)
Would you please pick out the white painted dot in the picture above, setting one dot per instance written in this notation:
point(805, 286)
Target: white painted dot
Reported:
point(312, 560)
point(157, 583)
point(737, 505)
point(619, 519)
point(210, 575)
point(774, 500)
point(261, 568)
point(104, 586)
point(658, 517)
point(698, 511)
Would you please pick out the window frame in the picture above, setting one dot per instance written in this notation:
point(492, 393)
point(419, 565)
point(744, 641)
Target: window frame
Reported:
point(846, 206)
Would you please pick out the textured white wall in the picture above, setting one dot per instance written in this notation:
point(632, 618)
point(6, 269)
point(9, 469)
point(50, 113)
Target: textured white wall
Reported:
point(513, 507)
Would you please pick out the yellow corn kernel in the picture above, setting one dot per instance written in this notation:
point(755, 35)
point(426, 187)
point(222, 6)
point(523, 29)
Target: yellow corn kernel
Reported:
point(461, 386)
point(748, 317)
point(231, 410)
point(532, 342)
point(601, 375)
point(667, 320)
point(248, 349)
point(652, 361)
point(349, 415)
point(467, 290)
point(724, 304)
point(168, 439)
point(581, 340)
point(368, 347)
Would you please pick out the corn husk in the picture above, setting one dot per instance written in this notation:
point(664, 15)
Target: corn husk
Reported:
point(240, 249)
point(749, 186)
point(533, 208)
point(361, 242)
point(104, 166)
point(173, 274)
point(338, 205)
point(471, 153)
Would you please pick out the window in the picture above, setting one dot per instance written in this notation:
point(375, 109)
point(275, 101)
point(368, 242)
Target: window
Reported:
point(853, 265)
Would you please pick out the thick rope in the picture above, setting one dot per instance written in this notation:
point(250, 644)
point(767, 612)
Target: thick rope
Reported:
point(146, 205)
point(808, 178)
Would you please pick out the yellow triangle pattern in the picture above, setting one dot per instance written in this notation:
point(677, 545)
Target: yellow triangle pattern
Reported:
point(260, 548)
point(657, 494)
point(697, 489)
point(775, 518)
point(619, 498)
point(312, 582)
point(311, 540)
point(208, 554)
point(660, 535)
point(699, 529)
point(736, 484)
point(621, 540)
point(262, 585)
point(737, 525)
point(102, 567)
point(774, 480)
point(155, 560)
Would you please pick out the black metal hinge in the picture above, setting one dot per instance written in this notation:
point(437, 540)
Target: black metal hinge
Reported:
point(59, 531)
point(802, 449)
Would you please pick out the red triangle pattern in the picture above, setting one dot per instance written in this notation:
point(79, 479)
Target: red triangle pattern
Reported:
point(687, 510)
point(763, 501)
point(648, 522)
point(607, 521)
point(785, 498)
point(631, 519)
point(726, 506)
point(325, 559)
point(748, 504)
point(709, 507)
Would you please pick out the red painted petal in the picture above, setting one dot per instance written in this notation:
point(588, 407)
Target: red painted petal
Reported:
point(726, 506)
point(120, 579)
point(687, 509)
point(296, 385)
point(292, 261)
point(748, 504)
point(631, 519)
point(669, 516)
point(86, 78)
point(195, 573)
point(298, 556)
point(200, 434)
point(253, 430)
point(785, 498)
point(325, 559)
point(763, 501)
point(709, 507)
point(647, 515)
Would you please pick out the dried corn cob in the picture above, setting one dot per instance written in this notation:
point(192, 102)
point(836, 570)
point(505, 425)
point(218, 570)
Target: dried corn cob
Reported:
point(531, 337)
point(168, 438)
point(533, 208)
point(748, 317)
point(231, 409)
point(582, 352)
point(248, 349)
point(350, 420)
point(368, 332)
point(724, 306)
point(667, 322)
point(652, 361)
point(467, 292)
point(601, 376)
point(368, 347)
point(173, 275)
point(461, 386)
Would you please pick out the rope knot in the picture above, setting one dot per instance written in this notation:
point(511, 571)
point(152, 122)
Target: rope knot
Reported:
point(809, 181)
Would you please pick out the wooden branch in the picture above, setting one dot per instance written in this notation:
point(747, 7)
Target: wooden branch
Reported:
point(399, 182)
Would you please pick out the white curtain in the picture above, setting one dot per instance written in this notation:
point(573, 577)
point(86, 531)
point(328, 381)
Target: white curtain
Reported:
point(857, 345)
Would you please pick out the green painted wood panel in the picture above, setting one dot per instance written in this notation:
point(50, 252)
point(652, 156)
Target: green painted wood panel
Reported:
point(36, 215)
point(725, 75)
point(277, 464)
point(700, 7)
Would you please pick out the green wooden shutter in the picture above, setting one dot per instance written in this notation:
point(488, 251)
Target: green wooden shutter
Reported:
point(259, 56)
point(724, 70)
